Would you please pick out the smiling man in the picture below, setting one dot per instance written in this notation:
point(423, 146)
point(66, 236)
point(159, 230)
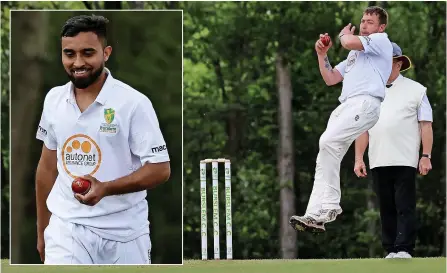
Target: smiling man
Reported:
point(364, 75)
point(99, 128)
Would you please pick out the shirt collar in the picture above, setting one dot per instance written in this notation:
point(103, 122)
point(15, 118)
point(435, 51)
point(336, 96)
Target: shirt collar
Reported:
point(399, 78)
point(103, 95)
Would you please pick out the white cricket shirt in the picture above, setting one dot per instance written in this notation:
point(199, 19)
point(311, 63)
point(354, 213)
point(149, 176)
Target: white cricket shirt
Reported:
point(365, 72)
point(113, 137)
point(395, 139)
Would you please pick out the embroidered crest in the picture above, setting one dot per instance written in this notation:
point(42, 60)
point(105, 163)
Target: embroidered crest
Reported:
point(109, 115)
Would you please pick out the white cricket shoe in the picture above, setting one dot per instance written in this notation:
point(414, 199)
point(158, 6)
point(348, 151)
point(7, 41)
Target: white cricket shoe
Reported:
point(390, 255)
point(402, 255)
point(306, 223)
point(328, 215)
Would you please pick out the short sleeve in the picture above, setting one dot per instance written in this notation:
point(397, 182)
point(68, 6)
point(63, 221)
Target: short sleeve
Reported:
point(425, 112)
point(146, 139)
point(375, 43)
point(341, 68)
point(45, 130)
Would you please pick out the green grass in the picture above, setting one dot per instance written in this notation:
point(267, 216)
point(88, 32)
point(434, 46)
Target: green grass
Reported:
point(415, 265)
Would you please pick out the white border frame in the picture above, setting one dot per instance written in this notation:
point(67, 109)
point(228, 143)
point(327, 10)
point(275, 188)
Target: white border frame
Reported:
point(10, 154)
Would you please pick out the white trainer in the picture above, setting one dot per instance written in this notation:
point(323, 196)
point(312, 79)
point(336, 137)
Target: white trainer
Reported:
point(328, 215)
point(306, 223)
point(390, 255)
point(402, 255)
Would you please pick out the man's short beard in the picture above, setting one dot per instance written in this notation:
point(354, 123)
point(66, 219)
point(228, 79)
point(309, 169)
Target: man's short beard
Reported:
point(82, 83)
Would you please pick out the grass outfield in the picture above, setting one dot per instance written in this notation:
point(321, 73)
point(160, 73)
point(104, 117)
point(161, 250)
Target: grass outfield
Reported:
point(415, 265)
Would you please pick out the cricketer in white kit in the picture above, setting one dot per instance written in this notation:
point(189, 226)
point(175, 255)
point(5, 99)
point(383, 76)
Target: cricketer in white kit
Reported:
point(364, 74)
point(97, 127)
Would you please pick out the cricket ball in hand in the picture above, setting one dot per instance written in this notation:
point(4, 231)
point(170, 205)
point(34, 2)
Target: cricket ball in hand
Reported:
point(325, 40)
point(80, 185)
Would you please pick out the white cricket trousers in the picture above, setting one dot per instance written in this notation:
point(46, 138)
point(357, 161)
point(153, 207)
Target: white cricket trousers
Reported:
point(68, 243)
point(347, 122)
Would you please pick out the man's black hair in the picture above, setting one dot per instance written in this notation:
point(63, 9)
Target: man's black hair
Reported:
point(86, 23)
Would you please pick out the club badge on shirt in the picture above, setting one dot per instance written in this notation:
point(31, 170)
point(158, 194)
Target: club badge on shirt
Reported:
point(351, 61)
point(108, 126)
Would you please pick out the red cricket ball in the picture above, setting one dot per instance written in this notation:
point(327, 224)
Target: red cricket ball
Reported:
point(80, 185)
point(325, 40)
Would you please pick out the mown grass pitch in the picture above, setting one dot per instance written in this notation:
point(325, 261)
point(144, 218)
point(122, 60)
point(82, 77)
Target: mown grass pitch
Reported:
point(415, 265)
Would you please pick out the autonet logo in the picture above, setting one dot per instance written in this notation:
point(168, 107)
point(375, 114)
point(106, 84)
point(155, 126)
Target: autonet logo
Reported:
point(81, 155)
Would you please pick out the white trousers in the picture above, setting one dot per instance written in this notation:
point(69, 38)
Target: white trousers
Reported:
point(68, 243)
point(346, 123)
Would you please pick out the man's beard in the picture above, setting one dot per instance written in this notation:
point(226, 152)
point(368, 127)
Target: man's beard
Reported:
point(84, 82)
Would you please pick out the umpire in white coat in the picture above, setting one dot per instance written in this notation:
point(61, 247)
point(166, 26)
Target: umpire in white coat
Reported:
point(394, 147)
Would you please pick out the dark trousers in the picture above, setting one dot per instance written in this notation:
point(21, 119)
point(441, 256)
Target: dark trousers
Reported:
point(395, 187)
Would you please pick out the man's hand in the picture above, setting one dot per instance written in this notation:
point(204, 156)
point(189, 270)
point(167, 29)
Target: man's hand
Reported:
point(424, 165)
point(347, 30)
point(41, 247)
point(96, 193)
point(360, 168)
point(320, 47)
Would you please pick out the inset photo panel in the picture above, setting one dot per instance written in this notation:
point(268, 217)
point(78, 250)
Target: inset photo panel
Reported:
point(96, 137)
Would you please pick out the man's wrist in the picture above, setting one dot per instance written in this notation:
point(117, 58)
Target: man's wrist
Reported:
point(427, 155)
point(106, 188)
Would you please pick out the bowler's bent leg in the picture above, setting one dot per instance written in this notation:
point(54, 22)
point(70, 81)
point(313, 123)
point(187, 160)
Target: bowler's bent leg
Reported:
point(316, 197)
point(309, 222)
point(361, 115)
